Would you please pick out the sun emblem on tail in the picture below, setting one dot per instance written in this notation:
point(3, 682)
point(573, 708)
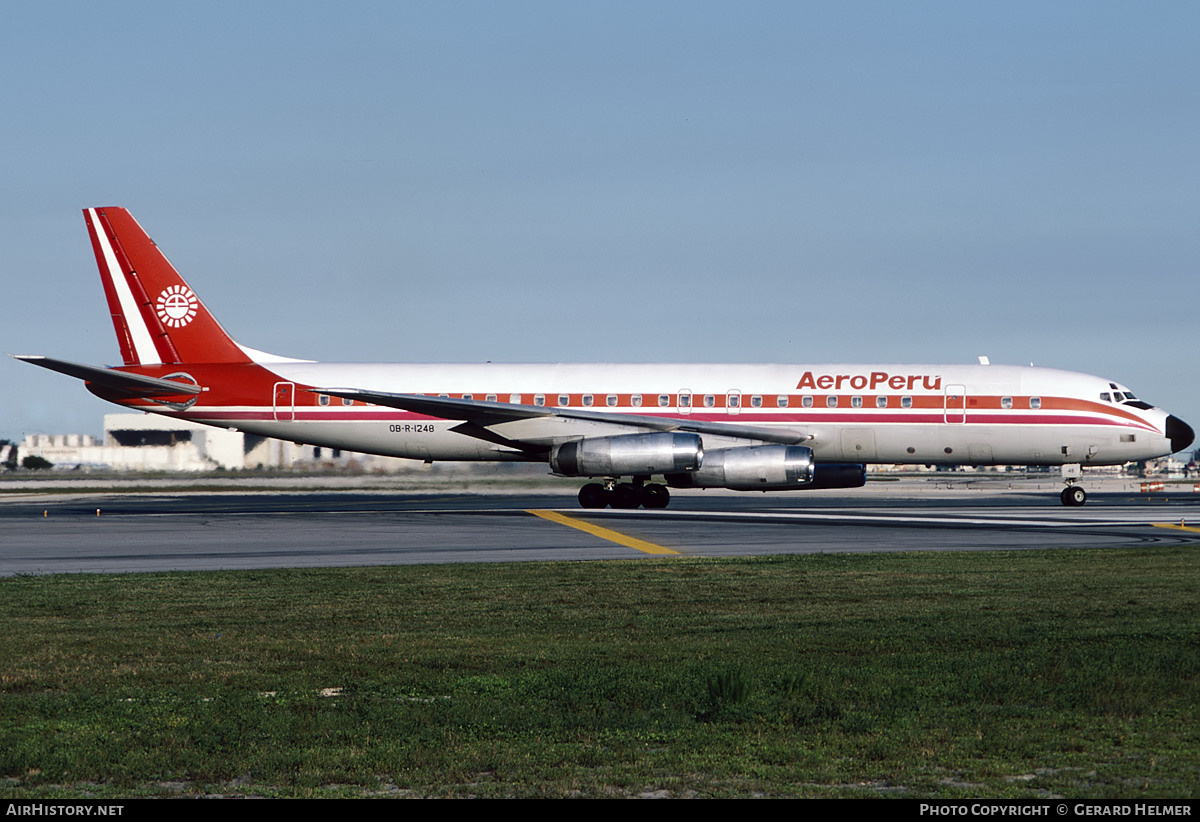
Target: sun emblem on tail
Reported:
point(176, 306)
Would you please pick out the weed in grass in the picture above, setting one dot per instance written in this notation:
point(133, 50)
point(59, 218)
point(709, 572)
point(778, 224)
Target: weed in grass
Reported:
point(728, 693)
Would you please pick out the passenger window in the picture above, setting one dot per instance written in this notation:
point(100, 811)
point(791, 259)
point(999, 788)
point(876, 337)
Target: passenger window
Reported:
point(733, 401)
point(906, 402)
point(491, 397)
point(564, 400)
point(636, 400)
point(611, 400)
point(806, 401)
point(539, 399)
point(831, 401)
point(856, 402)
point(587, 400)
point(664, 400)
point(322, 399)
point(756, 401)
point(685, 400)
point(781, 401)
point(514, 398)
point(1006, 402)
point(881, 402)
point(347, 401)
point(1035, 402)
point(710, 401)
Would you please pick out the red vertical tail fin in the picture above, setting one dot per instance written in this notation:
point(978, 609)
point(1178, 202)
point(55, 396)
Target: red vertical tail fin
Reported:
point(157, 317)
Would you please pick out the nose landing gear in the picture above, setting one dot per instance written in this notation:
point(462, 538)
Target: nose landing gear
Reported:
point(1073, 496)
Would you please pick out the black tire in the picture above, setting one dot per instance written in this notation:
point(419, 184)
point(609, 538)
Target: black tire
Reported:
point(626, 495)
point(1073, 496)
point(655, 496)
point(593, 495)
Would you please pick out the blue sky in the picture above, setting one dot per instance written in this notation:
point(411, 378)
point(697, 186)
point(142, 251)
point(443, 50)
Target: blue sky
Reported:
point(646, 181)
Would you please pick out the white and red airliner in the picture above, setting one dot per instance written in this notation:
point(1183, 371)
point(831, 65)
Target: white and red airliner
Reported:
point(744, 427)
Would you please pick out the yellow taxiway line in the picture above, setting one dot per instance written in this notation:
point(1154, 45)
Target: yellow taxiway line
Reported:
point(603, 533)
point(1176, 525)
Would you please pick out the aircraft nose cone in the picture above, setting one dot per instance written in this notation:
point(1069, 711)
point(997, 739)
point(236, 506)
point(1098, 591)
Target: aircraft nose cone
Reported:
point(1179, 433)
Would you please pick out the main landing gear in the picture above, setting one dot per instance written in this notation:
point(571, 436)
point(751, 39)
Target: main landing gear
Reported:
point(627, 495)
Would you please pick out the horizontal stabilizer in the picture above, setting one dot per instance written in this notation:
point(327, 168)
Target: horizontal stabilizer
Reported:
point(133, 384)
point(494, 413)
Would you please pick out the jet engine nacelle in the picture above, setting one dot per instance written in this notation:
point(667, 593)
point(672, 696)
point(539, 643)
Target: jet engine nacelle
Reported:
point(768, 468)
point(658, 453)
point(759, 467)
point(839, 475)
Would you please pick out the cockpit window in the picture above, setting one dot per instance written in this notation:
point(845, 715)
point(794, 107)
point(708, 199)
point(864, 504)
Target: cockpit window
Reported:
point(1126, 397)
point(1107, 397)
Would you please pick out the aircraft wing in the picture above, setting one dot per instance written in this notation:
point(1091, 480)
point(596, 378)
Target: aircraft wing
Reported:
point(134, 384)
point(484, 414)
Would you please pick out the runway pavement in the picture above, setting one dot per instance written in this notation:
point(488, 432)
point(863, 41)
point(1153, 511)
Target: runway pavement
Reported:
point(123, 532)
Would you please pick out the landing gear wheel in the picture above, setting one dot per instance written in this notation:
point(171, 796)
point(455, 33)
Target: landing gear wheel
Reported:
point(593, 495)
point(1073, 496)
point(655, 496)
point(626, 495)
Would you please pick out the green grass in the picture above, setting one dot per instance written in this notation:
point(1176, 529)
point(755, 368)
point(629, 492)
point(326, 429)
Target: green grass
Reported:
point(1000, 674)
